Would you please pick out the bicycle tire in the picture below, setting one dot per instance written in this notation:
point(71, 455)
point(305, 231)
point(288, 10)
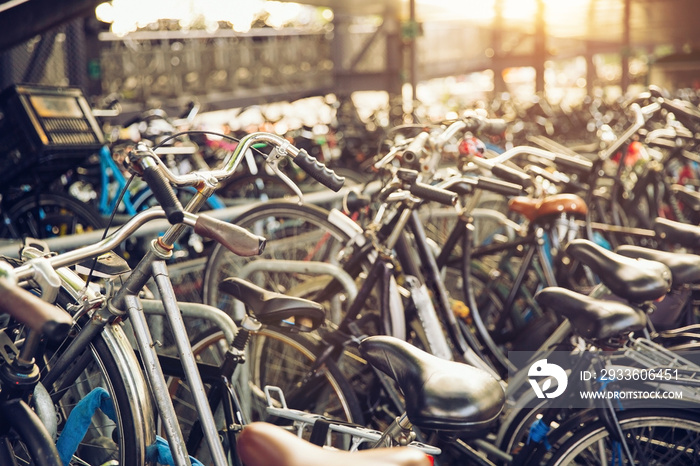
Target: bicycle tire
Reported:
point(657, 436)
point(46, 215)
point(108, 362)
point(26, 440)
point(273, 358)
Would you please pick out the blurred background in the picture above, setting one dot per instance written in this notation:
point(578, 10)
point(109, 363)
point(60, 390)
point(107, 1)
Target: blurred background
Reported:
point(446, 54)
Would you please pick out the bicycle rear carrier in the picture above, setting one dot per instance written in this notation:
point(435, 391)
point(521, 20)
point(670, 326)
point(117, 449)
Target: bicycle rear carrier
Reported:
point(679, 373)
point(304, 422)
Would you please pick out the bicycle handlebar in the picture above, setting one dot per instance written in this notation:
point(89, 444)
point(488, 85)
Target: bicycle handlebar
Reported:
point(309, 164)
point(159, 177)
point(236, 239)
point(27, 308)
point(573, 163)
point(466, 185)
point(686, 114)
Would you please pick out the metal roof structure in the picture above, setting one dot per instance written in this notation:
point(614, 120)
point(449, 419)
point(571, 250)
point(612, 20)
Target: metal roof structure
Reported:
point(651, 22)
point(411, 41)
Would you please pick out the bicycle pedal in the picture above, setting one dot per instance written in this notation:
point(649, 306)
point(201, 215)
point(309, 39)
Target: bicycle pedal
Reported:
point(107, 265)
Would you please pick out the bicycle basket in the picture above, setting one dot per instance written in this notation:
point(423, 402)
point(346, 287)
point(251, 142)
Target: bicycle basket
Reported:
point(44, 132)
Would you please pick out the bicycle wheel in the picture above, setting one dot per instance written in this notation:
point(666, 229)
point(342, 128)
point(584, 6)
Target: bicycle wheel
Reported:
point(108, 363)
point(47, 215)
point(273, 358)
point(300, 233)
point(654, 437)
point(24, 439)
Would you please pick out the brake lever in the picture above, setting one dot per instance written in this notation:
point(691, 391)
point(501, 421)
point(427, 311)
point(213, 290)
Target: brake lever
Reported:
point(272, 161)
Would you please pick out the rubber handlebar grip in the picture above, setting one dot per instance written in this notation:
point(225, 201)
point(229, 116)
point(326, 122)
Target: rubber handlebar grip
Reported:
point(236, 239)
point(512, 175)
point(573, 163)
point(499, 186)
point(38, 315)
point(319, 171)
point(164, 194)
point(431, 193)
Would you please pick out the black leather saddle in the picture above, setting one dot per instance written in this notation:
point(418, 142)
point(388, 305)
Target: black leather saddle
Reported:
point(275, 309)
point(439, 394)
point(636, 280)
point(677, 232)
point(592, 318)
point(685, 268)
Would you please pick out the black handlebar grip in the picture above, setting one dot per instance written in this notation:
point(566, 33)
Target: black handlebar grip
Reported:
point(513, 175)
point(319, 171)
point(499, 186)
point(38, 315)
point(494, 126)
point(164, 194)
point(431, 193)
point(576, 164)
point(236, 239)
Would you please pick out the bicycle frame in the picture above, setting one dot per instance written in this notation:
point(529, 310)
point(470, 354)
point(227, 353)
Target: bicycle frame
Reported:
point(152, 265)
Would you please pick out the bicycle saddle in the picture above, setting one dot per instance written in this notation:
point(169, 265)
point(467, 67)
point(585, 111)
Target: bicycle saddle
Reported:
point(263, 444)
point(677, 232)
point(534, 209)
point(275, 309)
point(439, 394)
point(592, 318)
point(685, 268)
point(637, 280)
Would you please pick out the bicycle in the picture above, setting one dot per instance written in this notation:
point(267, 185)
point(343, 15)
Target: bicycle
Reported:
point(102, 315)
point(24, 435)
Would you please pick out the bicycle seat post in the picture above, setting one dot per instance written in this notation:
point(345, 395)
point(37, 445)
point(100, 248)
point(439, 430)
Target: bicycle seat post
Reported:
point(400, 432)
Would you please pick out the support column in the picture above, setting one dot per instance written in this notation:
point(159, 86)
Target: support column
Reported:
point(499, 84)
point(413, 51)
point(540, 46)
point(625, 57)
point(591, 71)
point(394, 49)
